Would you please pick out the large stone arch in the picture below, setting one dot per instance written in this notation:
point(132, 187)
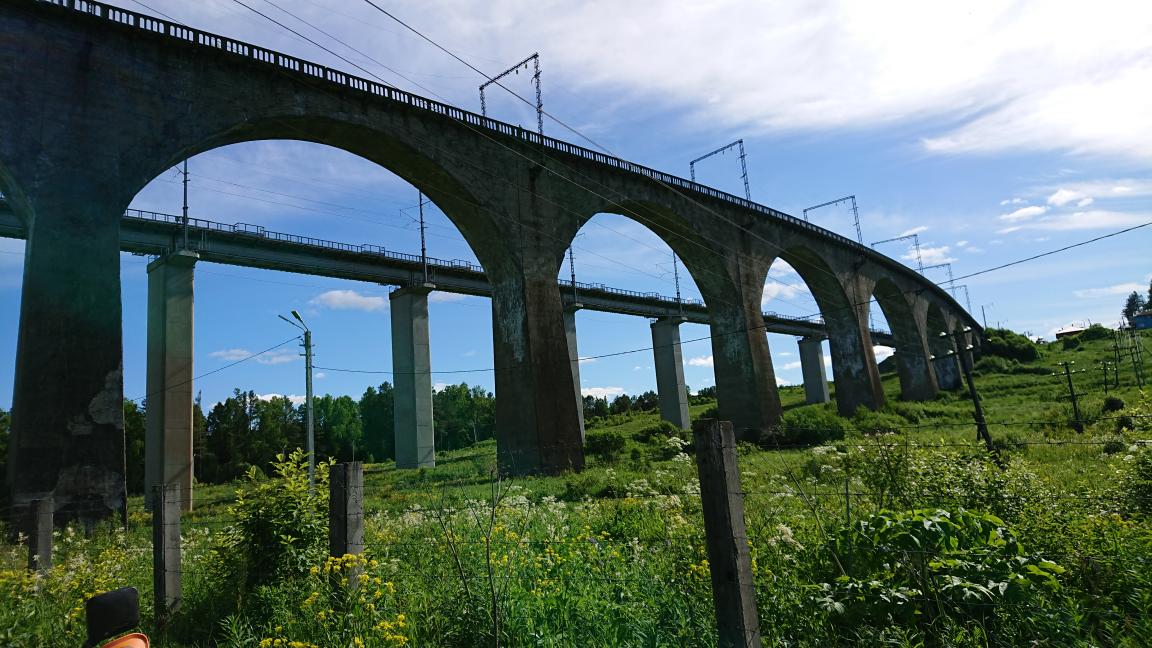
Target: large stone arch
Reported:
point(945, 362)
point(731, 283)
point(917, 378)
point(844, 308)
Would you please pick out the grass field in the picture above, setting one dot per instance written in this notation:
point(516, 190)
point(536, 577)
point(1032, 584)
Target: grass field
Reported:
point(894, 528)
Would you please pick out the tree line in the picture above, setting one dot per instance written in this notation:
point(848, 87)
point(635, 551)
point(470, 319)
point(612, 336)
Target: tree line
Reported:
point(1136, 303)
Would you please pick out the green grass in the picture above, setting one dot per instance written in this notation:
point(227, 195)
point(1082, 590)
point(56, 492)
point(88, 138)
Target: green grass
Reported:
point(614, 556)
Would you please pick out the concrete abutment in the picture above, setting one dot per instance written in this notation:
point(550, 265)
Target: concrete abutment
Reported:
point(412, 378)
point(668, 360)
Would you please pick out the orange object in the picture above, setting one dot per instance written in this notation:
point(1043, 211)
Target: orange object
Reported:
point(134, 640)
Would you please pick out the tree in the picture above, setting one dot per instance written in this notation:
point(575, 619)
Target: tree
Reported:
point(377, 418)
point(5, 427)
point(463, 415)
point(339, 432)
point(135, 419)
point(647, 401)
point(1148, 302)
point(595, 407)
point(621, 404)
point(1134, 304)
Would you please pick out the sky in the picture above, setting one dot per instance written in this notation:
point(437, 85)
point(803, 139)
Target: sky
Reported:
point(992, 130)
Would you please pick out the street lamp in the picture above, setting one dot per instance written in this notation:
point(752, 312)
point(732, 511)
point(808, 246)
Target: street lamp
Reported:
point(309, 426)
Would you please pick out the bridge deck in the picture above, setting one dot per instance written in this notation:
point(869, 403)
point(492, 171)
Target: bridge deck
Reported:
point(253, 246)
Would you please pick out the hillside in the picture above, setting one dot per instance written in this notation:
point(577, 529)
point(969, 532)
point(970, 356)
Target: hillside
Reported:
point(894, 527)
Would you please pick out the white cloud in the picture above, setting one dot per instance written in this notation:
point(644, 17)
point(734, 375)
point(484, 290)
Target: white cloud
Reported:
point(1013, 201)
point(601, 392)
point(1024, 213)
point(349, 300)
point(1028, 76)
point(1064, 196)
point(961, 243)
point(469, 353)
point(791, 366)
point(785, 354)
point(279, 356)
point(914, 230)
point(319, 374)
point(931, 255)
point(296, 399)
point(1084, 220)
point(441, 297)
point(1110, 291)
point(585, 361)
point(700, 361)
point(1084, 202)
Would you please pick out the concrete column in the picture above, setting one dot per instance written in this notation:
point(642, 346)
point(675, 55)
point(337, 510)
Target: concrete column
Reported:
point(412, 364)
point(574, 358)
point(537, 422)
point(346, 509)
point(669, 362)
point(745, 380)
point(67, 438)
point(812, 368)
point(907, 313)
point(854, 367)
point(947, 367)
point(168, 426)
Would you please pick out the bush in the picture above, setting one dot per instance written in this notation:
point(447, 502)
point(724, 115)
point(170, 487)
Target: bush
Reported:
point(810, 425)
point(657, 432)
point(1071, 342)
point(915, 567)
point(1009, 344)
point(868, 422)
point(1094, 333)
point(1112, 404)
point(281, 526)
point(605, 446)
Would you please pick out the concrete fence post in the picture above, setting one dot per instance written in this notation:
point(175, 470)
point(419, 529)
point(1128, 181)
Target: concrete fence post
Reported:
point(40, 527)
point(166, 571)
point(346, 509)
point(728, 557)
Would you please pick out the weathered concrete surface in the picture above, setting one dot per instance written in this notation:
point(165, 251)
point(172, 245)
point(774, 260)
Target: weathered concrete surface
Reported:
point(574, 357)
point(109, 107)
point(945, 363)
point(168, 425)
point(412, 378)
point(669, 363)
point(812, 368)
point(907, 315)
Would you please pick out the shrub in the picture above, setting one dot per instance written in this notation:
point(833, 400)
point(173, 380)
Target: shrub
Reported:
point(281, 526)
point(1009, 344)
point(1071, 342)
point(1112, 404)
point(868, 422)
point(605, 446)
point(657, 432)
point(809, 426)
point(1094, 333)
point(926, 564)
point(995, 364)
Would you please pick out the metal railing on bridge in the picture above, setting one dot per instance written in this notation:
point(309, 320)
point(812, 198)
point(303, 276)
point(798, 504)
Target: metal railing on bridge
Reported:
point(384, 91)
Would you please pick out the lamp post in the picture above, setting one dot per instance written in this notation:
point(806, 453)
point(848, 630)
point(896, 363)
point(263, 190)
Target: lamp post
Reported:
point(309, 420)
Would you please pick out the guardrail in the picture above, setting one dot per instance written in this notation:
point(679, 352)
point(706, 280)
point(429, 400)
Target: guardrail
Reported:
point(383, 91)
point(259, 232)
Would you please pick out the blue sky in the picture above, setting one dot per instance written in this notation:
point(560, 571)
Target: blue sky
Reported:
point(994, 132)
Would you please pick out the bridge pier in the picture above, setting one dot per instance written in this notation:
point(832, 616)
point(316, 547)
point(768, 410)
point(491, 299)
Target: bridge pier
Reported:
point(669, 362)
point(745, 381)
point(67, 438)
point(537, 424)
point(168, 426)
point(574, 357)
point(412, 377)
point(812, 368)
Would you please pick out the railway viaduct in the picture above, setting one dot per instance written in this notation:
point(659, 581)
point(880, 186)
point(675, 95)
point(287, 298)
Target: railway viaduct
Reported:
point(98, 101)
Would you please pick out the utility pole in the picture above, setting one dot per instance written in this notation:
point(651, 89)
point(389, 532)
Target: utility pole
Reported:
point(1067, 366)
point(535, 59)
point(738, 145)
point(184, 221)
point(965, 352)
point(1116, 349)
point(915, 238)
point(855, 213)
point(1104, 364)
point(676, 278)
point(423, 245)
point(572, 272)
point(309, 420)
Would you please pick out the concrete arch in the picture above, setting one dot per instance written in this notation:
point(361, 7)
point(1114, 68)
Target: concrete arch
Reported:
point(844, 309)
point(917, 378)
point(731, 286)
point(945, 363)
point(392, 154)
